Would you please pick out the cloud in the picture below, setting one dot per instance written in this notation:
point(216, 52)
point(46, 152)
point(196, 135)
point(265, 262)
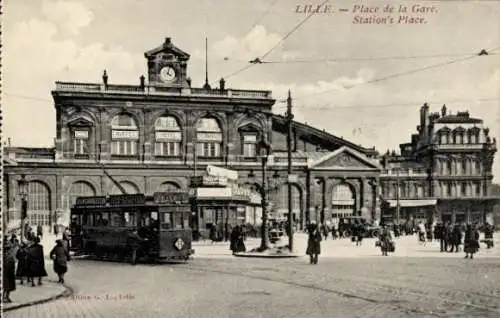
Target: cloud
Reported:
point(67, 15)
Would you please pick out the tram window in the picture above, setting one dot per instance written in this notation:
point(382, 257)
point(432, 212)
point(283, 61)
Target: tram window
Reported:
point(178, 220)
point(129, 219)
point(166, 221)
point(102, 219)
point(116, 219)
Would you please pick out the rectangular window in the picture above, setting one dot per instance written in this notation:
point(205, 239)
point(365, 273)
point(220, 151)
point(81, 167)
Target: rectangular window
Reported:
point(80, 146)
point(208, 149)
point(124, 147)
point(477, 185)
point(250, 145)
point(167, 149)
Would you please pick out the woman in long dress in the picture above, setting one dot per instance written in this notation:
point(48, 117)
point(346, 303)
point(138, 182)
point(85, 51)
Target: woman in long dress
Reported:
point(471, 241)
point(9, 272)
point(385, 240)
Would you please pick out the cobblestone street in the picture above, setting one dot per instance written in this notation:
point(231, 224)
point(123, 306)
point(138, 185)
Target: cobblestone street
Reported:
point(225, 286)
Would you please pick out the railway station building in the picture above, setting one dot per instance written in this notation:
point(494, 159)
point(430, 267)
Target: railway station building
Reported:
point(155, 135)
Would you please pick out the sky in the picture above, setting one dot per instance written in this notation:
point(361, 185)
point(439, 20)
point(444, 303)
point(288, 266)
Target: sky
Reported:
point(349, 81)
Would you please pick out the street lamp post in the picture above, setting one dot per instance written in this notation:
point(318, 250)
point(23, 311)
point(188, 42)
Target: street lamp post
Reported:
point(264, 149)
point(23, 184)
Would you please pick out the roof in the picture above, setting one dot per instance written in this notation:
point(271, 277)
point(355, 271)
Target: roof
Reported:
point(167, 46)
point(458, 119)
point(323, 135)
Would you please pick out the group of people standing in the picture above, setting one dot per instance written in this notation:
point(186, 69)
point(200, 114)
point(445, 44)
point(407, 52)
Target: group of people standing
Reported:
point(30, 258)
point(451, 237)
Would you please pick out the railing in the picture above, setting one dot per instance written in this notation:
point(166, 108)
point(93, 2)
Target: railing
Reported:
point(160, 90)
point(406, 172)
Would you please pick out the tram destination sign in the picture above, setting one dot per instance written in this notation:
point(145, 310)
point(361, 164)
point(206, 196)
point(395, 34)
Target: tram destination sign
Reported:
point(93, 201)
point(127, 199)
point(171, 197)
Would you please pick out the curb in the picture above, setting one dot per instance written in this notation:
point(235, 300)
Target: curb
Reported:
point(68, 291)
point(266, 256)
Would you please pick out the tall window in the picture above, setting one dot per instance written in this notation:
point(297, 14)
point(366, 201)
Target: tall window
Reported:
point(283, 199)
point(38, 203)
point(449, 167)
point(81, 142)
point(443, 138)
point(343, 201)
point(477, 186)
point(420, 191)
point(208, 138)
point(250, 145)
point(463, 189)
point(168, 137)
point(478, 167)
point(124, 136)
point(80, 189)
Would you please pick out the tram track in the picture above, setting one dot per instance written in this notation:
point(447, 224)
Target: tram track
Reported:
point(404, 296)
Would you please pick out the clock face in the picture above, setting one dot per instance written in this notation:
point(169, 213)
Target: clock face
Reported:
point(167, 74)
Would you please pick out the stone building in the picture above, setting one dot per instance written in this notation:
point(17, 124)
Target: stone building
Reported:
point(444, 173)
point(155, 135)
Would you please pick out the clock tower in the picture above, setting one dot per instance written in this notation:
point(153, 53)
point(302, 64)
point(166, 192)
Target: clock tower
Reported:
point(167, 65)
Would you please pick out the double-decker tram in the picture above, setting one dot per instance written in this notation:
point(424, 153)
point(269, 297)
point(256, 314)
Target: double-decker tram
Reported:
point(133, 227)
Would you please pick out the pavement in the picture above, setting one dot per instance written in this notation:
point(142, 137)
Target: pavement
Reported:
point(217, 256)
point(261, 288)
point(25, 295)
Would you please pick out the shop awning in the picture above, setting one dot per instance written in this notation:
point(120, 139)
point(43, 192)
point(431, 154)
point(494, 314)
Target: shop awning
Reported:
point(412, 203)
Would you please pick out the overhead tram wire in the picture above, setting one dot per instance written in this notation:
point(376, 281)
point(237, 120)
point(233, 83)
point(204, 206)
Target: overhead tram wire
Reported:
point(257, 60)
point(263, 15)
point(396, 75)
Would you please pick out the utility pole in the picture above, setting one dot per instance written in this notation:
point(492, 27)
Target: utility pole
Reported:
point(289, 118)
point(397, 195)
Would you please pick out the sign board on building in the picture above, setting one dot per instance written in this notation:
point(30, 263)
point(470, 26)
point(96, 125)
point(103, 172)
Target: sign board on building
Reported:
point(209, 136)
point(81, 134)
point(200, 181)
point(127, 199)
point(94, 201)
point(171, 197)
point(213, 192)
point(221, 172)
point(170, 136)
point(125, 134)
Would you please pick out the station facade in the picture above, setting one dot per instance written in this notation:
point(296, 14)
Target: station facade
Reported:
point(156, 135)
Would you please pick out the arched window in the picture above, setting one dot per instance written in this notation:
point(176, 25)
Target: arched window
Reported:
point(463, 189)
point(128, 186)
point(39, 204)
point(168, 186)
point(478, 167)
point(124, 136)
point(80, 189)
point(464, 166)
point(208, 138)
point(168, 137)
point(343, 200)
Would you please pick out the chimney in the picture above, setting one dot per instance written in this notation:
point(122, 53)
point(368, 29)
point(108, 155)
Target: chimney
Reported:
point(443, 110)
point(222, 84)
point(168, 40)
point(142, 81)
point(105, 78)
point(188, 80)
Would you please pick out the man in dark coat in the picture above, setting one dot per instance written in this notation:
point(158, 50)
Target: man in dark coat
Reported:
point(36, 262)
point(39, 231)
point(471, 241)
point(9, 272)
point(314, 243)
point(22, 262)
point(456, 238)
point(60, 256)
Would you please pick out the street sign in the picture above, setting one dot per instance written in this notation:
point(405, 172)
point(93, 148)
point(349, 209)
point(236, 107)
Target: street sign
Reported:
point(293, 178)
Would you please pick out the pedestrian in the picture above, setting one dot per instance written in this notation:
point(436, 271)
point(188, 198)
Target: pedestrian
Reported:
point(314, 243)
point(441, 235)
point(9, 272)
point(456, 238)
point(360, 232)
point(36, 262)
point(334, 232)
point(66, 240)
point(385, 241)
point(22, 262)
point(212, 234)
point(39, 231)
point(60, 256)
point(236, 240)
point(471, 241)
point(488, 235)
point(326, 230)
